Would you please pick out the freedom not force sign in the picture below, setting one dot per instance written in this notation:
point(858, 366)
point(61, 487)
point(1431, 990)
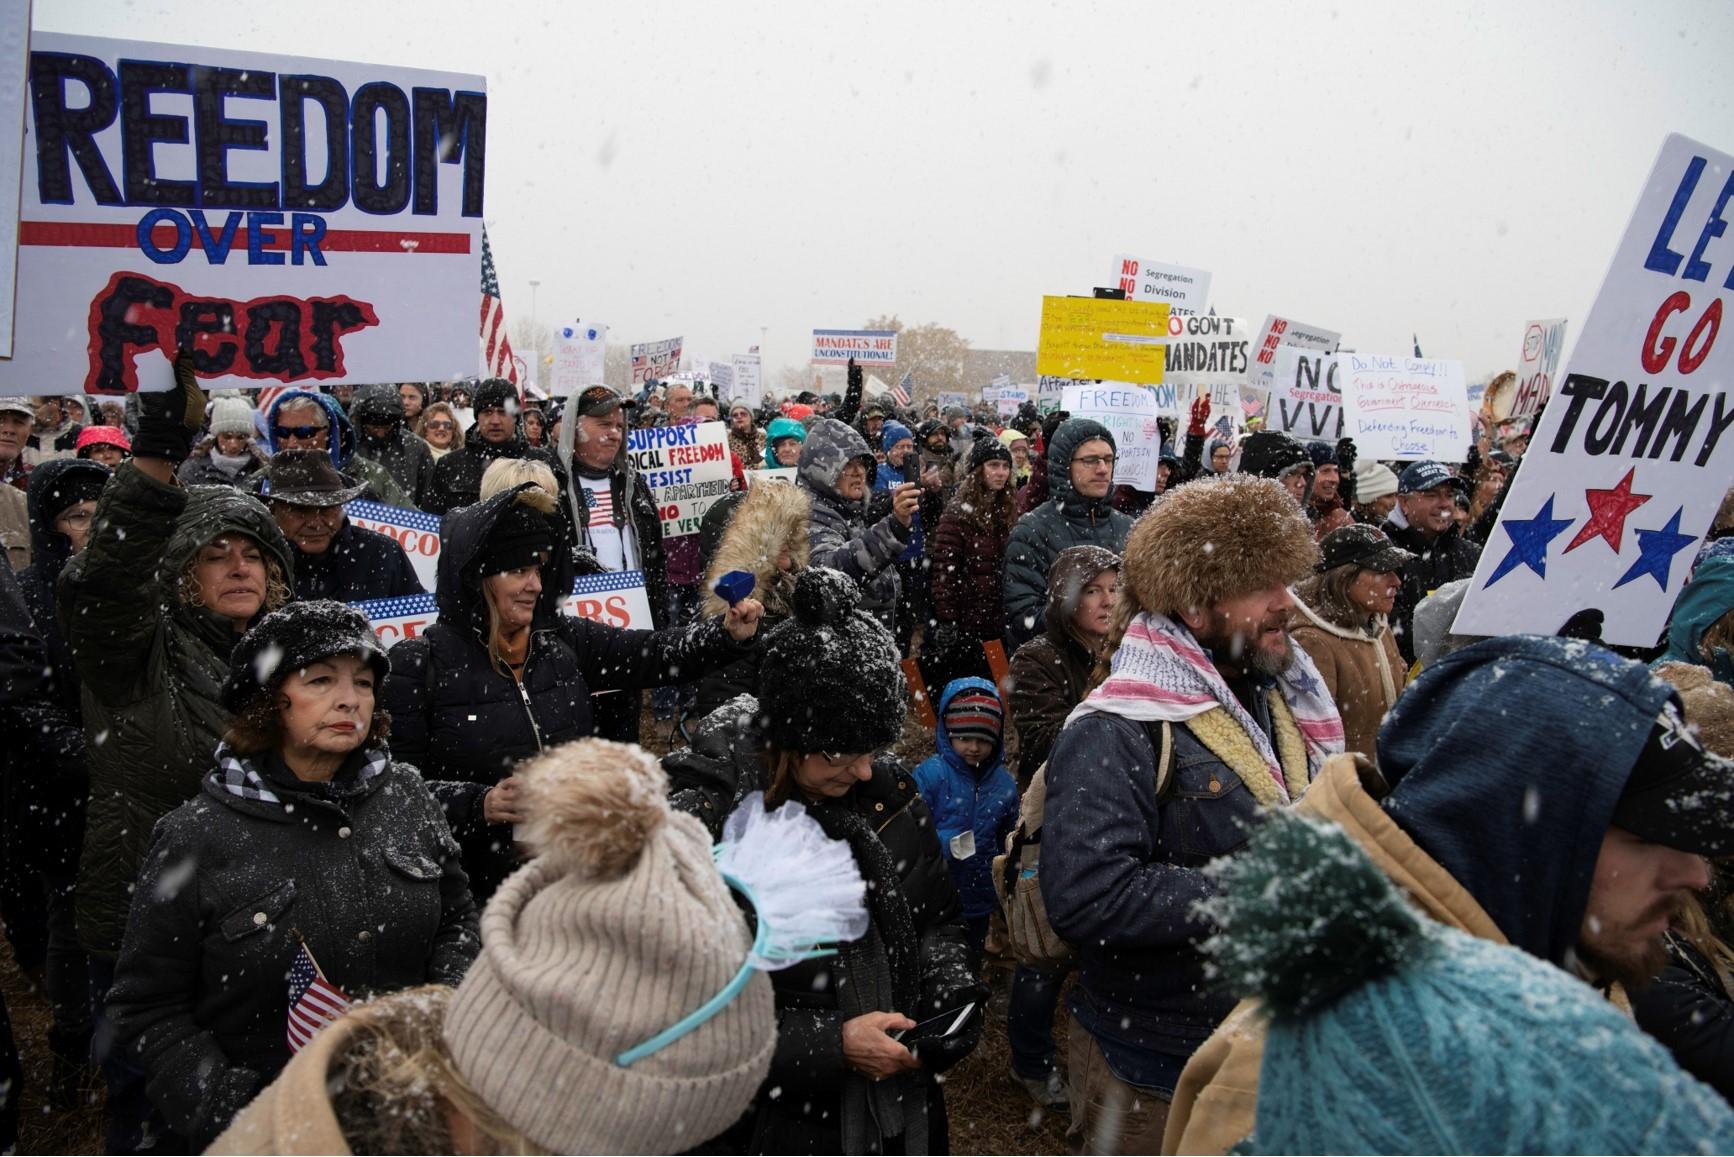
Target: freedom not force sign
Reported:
point(289, 220)
point(1635, 450)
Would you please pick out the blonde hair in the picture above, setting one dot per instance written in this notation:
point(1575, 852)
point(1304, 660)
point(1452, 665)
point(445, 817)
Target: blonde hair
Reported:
point(396, 1087)
point(506, 473)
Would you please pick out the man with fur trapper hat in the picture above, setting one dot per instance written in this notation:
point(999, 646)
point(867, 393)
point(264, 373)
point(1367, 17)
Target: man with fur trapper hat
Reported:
point(1211, 715)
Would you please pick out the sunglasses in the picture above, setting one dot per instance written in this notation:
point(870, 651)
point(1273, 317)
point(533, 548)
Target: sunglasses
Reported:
point(297, 431)
point(439, 425)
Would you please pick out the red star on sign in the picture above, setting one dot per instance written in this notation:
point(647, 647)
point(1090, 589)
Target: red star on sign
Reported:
point(1608, 510)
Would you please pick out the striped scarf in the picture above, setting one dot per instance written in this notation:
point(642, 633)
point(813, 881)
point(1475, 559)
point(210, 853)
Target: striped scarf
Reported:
point(239, 778)
point(1162, 674)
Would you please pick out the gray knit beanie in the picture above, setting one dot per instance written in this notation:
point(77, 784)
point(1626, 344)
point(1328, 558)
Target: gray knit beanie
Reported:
point(231, 416)
point(619, 927)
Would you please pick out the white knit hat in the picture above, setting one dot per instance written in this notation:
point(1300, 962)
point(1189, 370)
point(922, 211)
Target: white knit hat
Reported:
point(231, 416)
point(620, 927)
point(1373, 480)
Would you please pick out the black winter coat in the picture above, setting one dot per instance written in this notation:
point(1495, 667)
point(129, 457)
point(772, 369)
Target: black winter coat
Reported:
point(50, 781)
point(1688, 1009)
point(359, 564)
point(968, 569)
point(1442, 560)
point(798, 1109)
point(363, 869)
point(457, 478)
point(408, 460)
point(1067, 518)
point(465, 724)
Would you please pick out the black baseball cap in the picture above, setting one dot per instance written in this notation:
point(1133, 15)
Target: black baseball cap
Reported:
point(1363, 546)
point(600, 401)
point(1426, 475)
point(1679, 794)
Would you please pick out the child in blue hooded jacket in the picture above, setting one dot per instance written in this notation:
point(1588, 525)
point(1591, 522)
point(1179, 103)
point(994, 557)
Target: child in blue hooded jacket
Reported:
point(973, 798)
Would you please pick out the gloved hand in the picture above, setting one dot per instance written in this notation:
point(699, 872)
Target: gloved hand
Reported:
point(1346, 457)
point(944, 638)
point(168, 420)
point(856, 378)
point(1200, 415)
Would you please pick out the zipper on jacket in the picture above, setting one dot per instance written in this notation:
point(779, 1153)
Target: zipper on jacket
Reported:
point(524, 695)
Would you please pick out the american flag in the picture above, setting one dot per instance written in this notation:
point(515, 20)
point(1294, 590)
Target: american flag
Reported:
point(314, 1001)
point(600, 505)
point(496, 346)
point(901, 390)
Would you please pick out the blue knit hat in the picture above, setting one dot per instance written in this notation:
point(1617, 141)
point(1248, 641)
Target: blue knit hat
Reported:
point(1392, 1033)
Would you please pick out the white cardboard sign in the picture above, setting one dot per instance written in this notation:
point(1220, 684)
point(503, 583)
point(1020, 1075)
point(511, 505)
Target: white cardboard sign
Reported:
point(579, 351)
point(1280, 331)
point(1537, 362)
point(1304, 399)
point(1633, 455)
point(1398, 407)
point(1129, 412)
point(1186, 290)
point(295, 221)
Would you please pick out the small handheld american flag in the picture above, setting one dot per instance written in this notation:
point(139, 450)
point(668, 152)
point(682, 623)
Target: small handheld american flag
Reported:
point(901, 390)
point(314, 1001)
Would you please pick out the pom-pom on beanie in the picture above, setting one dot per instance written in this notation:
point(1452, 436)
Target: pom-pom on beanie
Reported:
point(618, 928)
point(1439, 1042)
point(830, 678)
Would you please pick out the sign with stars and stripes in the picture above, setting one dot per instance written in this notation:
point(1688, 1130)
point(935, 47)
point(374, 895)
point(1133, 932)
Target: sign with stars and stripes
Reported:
point(615, 598)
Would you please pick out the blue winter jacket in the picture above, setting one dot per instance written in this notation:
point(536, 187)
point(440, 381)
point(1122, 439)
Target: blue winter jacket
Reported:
point(962, 798)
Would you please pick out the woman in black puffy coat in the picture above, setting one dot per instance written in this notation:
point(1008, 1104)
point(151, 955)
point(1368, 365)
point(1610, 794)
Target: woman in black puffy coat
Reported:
point(831, 696)
point(505, 674)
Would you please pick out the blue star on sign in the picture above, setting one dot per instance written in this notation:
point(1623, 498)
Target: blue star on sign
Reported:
point(1529, 540)
point(1657, 550)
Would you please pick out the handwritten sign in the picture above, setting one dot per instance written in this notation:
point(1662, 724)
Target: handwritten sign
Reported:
point(948, 398)
point(654, 360)
point(415, 530)
point(578, 357)
point(1186, 290)
point(1543, 341)
point(615, 598)
point(1010, 399)
point(869, 347)
point(1405, 408)
point(1305, 400)
point(1103, 339)
point(1129, 413)
point(1633, 455)
point(747, 387)
point(687, 469)
point(1278, 332)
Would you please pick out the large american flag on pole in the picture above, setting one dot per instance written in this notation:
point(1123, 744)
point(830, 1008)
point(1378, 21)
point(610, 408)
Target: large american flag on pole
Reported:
point(314, 1002)
point(496, 347)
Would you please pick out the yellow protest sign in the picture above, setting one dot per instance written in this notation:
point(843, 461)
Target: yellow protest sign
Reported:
point(1091, 337)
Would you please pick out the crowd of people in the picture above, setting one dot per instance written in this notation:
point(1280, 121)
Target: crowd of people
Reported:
point(286, 890)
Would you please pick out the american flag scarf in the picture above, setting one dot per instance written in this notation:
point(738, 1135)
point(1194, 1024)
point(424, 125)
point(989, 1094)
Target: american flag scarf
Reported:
point(1162, 674)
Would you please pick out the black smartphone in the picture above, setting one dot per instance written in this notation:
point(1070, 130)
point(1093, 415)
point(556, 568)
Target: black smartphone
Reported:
point(948, 1023)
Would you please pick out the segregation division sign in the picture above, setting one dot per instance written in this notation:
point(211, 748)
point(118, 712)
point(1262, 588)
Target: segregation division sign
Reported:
point(293, 221)
point(1634, 452)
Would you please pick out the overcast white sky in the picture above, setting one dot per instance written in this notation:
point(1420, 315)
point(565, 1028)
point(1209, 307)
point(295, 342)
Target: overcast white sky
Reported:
point(706, 169)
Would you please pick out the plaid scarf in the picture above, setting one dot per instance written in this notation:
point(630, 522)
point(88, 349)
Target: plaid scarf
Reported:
point(1160, 673)
point(240, 779)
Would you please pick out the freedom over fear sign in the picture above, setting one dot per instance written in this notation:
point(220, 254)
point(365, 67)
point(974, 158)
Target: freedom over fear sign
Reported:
point(290, 220)
point(687, 469)
point(615, 599)
point(1634, 452)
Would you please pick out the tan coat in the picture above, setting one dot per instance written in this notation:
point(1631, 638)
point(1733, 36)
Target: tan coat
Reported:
point(1364, 673)
point(1216, 1102)
point(15, 526)
point(293, 1114)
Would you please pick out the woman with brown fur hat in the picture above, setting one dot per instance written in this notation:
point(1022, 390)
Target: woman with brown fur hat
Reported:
point(767, 538)
point(1209, 716)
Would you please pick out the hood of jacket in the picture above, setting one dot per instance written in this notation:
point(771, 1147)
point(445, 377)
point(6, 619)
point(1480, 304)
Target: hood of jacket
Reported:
point(781, 428)
point(342, 433)
point(770, 516)
point(49, 549)
point(942, 737)
point(379, 404)
point(1708, 597)
point(1518, 820)
point(830, 446)
point(1074, 432)
point(1072, 571)
point(458, 591)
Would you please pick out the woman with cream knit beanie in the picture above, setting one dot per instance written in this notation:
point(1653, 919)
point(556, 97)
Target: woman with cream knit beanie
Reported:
point(619, 928)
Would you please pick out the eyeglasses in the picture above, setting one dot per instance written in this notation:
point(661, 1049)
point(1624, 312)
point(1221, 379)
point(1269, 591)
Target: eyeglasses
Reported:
point(303, 432)
point(441, 425)
point(1095, 460)
point(77, 518)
